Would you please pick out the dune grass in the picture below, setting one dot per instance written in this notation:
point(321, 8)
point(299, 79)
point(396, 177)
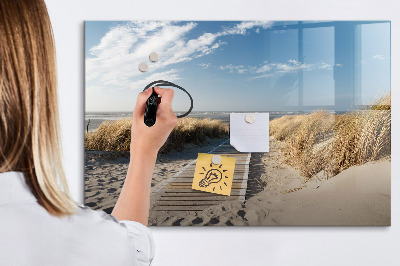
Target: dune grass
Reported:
point(331, 143)
point(116, 135)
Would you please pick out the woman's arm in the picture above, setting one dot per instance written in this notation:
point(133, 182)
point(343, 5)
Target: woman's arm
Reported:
point(134, 200)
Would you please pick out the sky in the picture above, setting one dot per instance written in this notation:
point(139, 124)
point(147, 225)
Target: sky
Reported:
point(228, 65)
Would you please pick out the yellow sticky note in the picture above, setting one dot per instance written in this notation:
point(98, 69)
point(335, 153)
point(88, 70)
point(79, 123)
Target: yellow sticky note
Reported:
point(215, 178)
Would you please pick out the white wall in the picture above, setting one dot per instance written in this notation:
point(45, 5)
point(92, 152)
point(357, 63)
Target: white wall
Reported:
point(231, 246)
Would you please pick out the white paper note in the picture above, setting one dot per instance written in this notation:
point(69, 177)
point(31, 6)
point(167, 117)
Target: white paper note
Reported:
point(249, 137)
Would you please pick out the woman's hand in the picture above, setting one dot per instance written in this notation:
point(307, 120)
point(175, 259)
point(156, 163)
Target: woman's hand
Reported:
point(150, 139)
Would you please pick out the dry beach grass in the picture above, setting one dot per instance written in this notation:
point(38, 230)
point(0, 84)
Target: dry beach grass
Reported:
point(322, 141)
point(116, 135)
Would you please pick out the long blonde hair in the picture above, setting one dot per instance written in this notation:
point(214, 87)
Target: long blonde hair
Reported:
point(29, 123)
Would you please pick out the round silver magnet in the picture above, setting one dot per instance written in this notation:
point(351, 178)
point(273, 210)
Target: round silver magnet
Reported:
point(249, 118)
point(153, 57)
point(143, 67)
point(216, 159)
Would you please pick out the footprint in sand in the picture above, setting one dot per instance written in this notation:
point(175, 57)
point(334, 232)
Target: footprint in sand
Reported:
point(111, 190)
point(178, 222)
point(198, 220)
point(108, 210)
point(212, 221)
point(242, 213)
point(228, 223)
point(91, 204)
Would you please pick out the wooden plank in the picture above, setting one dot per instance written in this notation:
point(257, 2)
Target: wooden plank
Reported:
point(230, 154)
point(234, 192)
point(188, 189)
point(189, 203)
point(239, 166)
point(245, 178)
point(237, 185)
point(188, 179)
point(193, 193)
point(207, 197)
point(191, 171)
point(180, 208)
point(191, 174)
point(235, 176)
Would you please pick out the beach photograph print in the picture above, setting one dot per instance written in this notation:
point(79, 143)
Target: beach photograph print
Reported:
point(291, 120)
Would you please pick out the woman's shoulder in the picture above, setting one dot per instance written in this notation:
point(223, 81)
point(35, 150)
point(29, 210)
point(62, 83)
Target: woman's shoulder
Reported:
point(137, 236)
point(91, 237)
point(86, 214)
point(99, 223)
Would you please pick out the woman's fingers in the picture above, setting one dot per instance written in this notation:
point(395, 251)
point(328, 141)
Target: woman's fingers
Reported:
point(167, 95)
point(141, 102)
point(164, 110)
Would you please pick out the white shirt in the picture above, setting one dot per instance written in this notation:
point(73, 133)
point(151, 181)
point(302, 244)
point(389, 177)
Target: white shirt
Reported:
point(29, 235)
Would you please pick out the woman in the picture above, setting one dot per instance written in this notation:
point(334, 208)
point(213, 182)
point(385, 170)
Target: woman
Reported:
point(39, 222)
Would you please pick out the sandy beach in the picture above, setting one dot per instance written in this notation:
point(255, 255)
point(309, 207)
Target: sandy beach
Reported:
point(276, 193)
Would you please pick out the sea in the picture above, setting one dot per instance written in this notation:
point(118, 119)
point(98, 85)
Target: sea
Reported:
point(94, 119)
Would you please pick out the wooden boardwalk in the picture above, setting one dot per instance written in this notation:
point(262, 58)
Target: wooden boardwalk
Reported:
point(176, 194)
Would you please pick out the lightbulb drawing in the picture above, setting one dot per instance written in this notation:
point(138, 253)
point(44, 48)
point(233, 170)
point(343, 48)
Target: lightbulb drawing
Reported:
point(214, 178)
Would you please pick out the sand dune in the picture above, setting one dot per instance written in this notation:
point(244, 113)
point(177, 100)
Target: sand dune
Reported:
point(359, 195)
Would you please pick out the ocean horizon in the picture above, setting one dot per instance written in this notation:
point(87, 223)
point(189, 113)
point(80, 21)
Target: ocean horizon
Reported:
point(96, 118)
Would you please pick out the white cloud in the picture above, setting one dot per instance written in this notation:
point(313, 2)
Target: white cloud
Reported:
point(325, 66)
point(290, 66)
point(244, 26)
point(235, 69)
point(378, 57)
point(113, 63)
point(264, 68)
point(267, 69)
point(204, 65)
point(170, 75)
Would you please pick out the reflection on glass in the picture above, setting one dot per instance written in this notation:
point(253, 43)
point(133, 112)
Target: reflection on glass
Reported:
point(328, 65)
point(375, 61)
point(282, 80)
point(318, 58)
